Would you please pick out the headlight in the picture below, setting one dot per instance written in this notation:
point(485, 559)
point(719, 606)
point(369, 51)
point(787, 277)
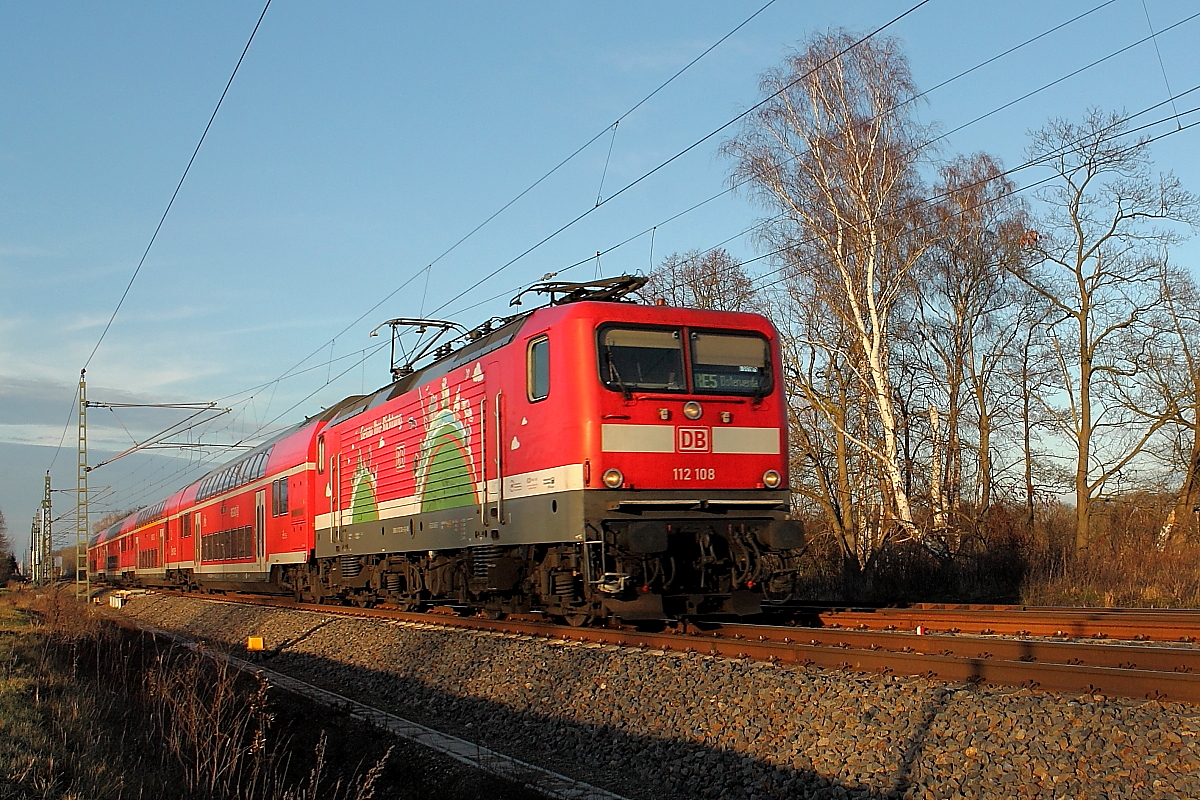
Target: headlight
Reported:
point(613, 478)
point(771, 479)
point(692, 409)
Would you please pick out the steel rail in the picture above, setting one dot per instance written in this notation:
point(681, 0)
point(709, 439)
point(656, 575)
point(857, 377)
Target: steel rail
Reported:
point(1160, 612)
point(1122, 656)
point(1073, 623)
point(1127, 680)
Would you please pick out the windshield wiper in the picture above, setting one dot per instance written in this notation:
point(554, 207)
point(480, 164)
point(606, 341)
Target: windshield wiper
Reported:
point(764, 381)
point(613, 373)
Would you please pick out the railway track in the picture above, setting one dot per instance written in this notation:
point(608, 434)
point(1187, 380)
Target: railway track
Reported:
point(1073, 623)
point(1127, 669)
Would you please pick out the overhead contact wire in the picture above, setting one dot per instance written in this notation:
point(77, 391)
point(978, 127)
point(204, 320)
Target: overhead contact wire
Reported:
point(673, 159)
point(738, 184)
point(948, 133)
point(526, 190)
point(178, 186)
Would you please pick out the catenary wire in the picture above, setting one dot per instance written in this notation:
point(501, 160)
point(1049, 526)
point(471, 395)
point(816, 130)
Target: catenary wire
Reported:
point(733, 187)
point(928, 143)
point(162, 220)
point(662, 165)
point(291, 372)
point(151, 488)
point(1027, 165)
point(428, 268)
point(179, 186)
point(972, 69)
point(1016, 190)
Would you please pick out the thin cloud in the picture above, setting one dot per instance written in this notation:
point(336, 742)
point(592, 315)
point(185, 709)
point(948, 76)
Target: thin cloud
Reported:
point(24, 251)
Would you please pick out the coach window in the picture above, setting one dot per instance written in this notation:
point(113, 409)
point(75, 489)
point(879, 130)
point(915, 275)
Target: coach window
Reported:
point(279, 497)
point(321, 455)
point(538, 384)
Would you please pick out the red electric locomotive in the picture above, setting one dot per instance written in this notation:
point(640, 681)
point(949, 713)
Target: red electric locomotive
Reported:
point(593, 457)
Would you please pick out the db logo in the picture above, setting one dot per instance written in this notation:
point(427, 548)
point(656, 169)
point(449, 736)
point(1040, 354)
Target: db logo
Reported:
point(694, 440)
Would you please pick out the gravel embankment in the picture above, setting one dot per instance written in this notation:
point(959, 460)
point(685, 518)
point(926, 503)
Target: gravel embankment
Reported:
point(650, 725)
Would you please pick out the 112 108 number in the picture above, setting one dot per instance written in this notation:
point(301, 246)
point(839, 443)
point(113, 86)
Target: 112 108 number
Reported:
point(700, 474)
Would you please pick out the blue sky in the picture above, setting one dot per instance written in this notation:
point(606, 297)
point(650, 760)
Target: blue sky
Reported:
point(361, 140)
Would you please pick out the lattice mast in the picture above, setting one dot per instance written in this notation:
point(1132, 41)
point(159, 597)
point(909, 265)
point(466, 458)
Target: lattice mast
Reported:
point(35, 546)
point(45, 543)
point(83, 586)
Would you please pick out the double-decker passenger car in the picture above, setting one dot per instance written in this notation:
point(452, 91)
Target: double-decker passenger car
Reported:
point(589, 458)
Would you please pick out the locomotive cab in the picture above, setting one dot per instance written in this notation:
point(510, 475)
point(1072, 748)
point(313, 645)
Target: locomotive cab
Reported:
point(686, 491)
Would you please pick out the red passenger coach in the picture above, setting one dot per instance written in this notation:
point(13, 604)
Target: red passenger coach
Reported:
point(590, 458)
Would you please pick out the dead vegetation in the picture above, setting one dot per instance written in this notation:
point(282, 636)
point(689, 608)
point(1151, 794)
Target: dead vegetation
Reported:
point(1010, 559)
point(91, 710)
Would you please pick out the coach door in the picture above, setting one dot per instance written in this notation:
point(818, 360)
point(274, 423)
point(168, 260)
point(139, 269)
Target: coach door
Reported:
point(335, 468)
point(196, 535)
point(260, 527)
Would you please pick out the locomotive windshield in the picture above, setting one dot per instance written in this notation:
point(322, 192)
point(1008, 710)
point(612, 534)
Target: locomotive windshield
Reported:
point(728, 363)
point(651, 360)
point(641, 359)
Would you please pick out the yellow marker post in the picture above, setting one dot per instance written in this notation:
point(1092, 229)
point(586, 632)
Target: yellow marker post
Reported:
point(254, 643)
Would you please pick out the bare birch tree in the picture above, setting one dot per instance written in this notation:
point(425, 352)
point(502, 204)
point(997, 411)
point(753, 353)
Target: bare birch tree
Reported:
point(830, 475)
point(835, 149)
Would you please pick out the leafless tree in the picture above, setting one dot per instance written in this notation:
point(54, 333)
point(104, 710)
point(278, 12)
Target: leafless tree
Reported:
point(1170, 387)
point(712, 279)
point(835, 150)
point(1096, 263)
point(8, 559)
point(112, 517)
point(831, 477)
point(962, 330)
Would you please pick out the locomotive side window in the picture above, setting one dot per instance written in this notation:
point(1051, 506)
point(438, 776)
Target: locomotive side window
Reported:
point(728, 363)
point(321, 454)
point(538, 369)
point(642, 359)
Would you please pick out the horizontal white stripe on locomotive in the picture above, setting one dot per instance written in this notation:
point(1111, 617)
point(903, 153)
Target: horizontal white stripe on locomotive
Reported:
point(567, 478)
point(624, 438)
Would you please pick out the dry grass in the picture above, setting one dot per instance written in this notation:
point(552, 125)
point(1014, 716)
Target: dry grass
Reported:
point(1120, 576)
point(1008, 560)
point(89, 710)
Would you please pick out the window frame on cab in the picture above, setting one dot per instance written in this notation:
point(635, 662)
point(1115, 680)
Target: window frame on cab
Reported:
point(531, 373)
point(687, 358)
point(598, 340)
point(768, 364)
